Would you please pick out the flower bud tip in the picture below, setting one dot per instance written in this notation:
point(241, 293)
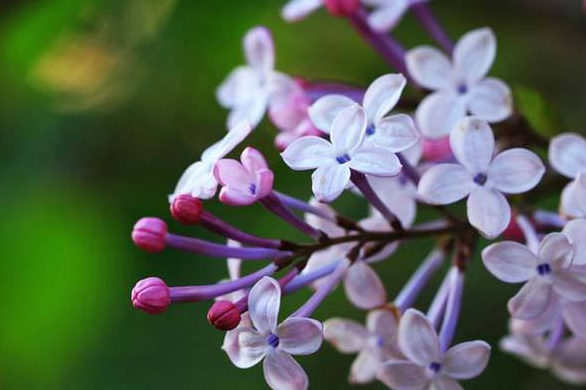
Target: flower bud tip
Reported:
point(186, 209)
point(151, 295)
point(224, 315)
point(149, 234)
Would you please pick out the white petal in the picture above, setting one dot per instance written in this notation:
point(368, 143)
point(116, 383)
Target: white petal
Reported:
point(382, 95)
point(253, 110)
point(300, 336)
point(531, 300)
point(417, 338)
point(430, 67)
point(197, 180)
point(491, 99)
point(282, 372)
point(375, 161)
point(575, 317)
point(348, 129)
point(384, 323)
point(570, 285)
point(567, 154)
point(569, 364)
point(386, 17)
point(472, 143)
point(515, 171)
point(328, 182)
point(576, 232)
point(395, 133)
point(444, 184)
point(569, 203)
point(296, 10)
point(509, 261)
point(365, 367)
point(264, 301)
point(308, 153)
point(231, 140)
point(466, 360)
point(557, 250)
point(531, 349)
point(580, 192)
point(232, 263)
point(332, 229)
point(488, 211)
point(235, 89)
point(259, 49)
point(323, 112)
point(474, 54)
point(345, 335)
point(398, 195)
point(402, 375)
point(363, 286)
point(542, 323)
point(445, 383)
point(438, 113)
point(245, 346)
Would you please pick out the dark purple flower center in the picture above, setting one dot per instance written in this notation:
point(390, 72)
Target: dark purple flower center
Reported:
point(435, 367)
point(462, 89)
point(342, 159)
point(543, 269)
point(252, 188)
point(273, 341)
point(480, 179)
point(370, 130)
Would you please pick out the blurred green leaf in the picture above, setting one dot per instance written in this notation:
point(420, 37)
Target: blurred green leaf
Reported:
point(538, 111)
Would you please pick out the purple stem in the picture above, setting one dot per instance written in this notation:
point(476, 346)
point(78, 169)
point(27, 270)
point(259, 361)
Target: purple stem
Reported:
point(438, 305)
point(304, 279)
point(531, 239)
point(557, 334)
point(419, 280)
point(446, 334)
point(316, 90)
point(360, 181)
point(432, 25)
point(385, 45)
point(323, 291)
point(202, 247)
point(408, 169)
point(305, 207)
point(549, 219)
point(272, 203)
point(223, 228)
point(242, 303)
point(202, 293)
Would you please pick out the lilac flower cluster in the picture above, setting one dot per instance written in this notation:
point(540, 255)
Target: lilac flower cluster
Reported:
point(397, 154)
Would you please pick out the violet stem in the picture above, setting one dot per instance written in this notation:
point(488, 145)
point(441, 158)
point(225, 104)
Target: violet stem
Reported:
point(454, 302)
point(272, 203)
point(438, 305)
point(556, 334)
point(408, 169)
point(432, 25)
point(549, 219)
point(223, 228)
point(305, 279)
point(531, 239)
point(305, 207)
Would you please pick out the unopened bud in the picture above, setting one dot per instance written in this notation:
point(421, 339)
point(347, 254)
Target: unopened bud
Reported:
point(342, 7)
point(151, 295)
point(224, 315)
point(186, 209)
point(437, 150)
point(149, 234)
point(513, 231)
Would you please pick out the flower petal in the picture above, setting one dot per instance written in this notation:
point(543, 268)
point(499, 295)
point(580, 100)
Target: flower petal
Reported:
point(417, 338)
point(567, 154)
point(234, 264)
point(515, 171)
point(580, 192)
point(308, 153)
point(472, 143)
point(395, 133)
point(402, 375)
point(542, 323)
point(346, 336)
point(282, 372)
point(569, 203)
point(235, 136)
point(430, 67)
point(252, 110)
point(323, 112)
point(296, 10)
point(363, 286)
point(557, 250)
point(384, 323)
point(245, 346)
point(231, 173)
point(264, 180)
point(259, 49)
point(509, 261)
point(253, 160)
point(474, 54)
point(235, 89)
point(570, 285)
point(531, 300)
point(197, 180)
point(575, 317)
point(398, 195)
point(491, 99)
point(530, 349)
point(236, 197)
point(466, 360)
point(300, 336)
point(375, 161)
point(325, 225)
point(444, 184)
point(382, 95)
point(575, 230)
point(264, 301)
point(488, 211)
point(445, 383)
point(365, 367)
point(438, 113)
point(348, 129)
point(384, 18)
point(329, 181)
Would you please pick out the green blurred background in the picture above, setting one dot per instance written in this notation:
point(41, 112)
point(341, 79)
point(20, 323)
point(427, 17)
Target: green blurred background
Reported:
point(104, 103)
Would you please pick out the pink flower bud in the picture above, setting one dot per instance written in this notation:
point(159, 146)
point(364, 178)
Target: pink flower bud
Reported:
point(224, 315)
point(437, 150)
point(186, 209)
point(342, 7)
point(151, 295)
point(149, 234)
point(513, 231)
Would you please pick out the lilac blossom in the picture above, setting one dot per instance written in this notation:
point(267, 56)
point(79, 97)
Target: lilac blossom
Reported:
point(386, 14)
point(567, 155)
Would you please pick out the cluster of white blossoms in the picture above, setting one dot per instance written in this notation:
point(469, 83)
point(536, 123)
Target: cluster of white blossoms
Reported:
point(454, 145)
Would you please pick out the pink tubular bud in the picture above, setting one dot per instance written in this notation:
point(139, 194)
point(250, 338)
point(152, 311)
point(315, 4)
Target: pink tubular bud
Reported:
point(186, 209)
point(149, 234)
point(513, 232)
point(151, 295)
point(342, 7)
point(437, 150)
point(224, 315)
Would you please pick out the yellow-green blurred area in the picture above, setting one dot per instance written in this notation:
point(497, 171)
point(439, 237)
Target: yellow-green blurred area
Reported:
point(102, 106)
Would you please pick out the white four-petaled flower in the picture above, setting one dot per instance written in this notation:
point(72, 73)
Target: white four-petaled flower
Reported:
point(274, 343)
point(481, 177)
point(427, 367)
point(567, 155)
point(459, 85)
point(386, 14)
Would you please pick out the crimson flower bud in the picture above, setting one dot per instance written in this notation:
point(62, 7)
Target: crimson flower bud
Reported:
point(151, 295)
point(186, 209)
point(437, 150)
point(149, 234)
point(224, 315)
point(513, 231)
point(342, 7)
